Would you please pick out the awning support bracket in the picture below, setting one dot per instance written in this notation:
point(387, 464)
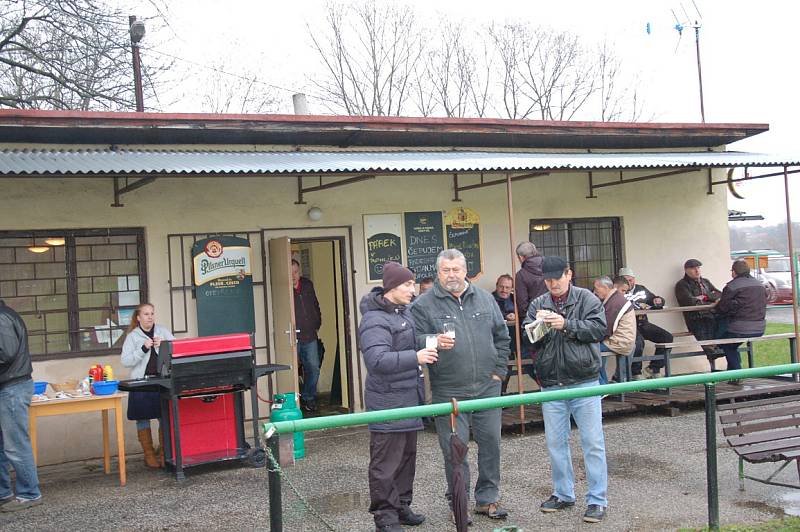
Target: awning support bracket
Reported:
point(482, 184)
point(324, 186)
point(129, 187)
point(593, 186)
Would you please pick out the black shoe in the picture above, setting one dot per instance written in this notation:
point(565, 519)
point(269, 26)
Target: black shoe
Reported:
point(395, 527)
point(554, 504)
point(309, 407)
point(408, 517)
point(594, 513)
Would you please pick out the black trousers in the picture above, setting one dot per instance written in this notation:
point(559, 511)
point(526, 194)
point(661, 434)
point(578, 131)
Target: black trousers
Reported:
point(706, 329)
point(655, 334)
point(392, 465)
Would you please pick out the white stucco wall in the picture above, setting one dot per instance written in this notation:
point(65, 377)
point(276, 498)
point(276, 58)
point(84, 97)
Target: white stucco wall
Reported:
point(664, 222)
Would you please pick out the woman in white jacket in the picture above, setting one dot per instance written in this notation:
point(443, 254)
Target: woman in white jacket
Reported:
point(140, 353)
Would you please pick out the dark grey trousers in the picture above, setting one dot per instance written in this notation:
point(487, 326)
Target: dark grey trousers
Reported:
point(486, 426)
point(392, 465)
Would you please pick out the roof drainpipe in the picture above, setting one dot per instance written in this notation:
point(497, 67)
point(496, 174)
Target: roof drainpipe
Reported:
point(300, 104)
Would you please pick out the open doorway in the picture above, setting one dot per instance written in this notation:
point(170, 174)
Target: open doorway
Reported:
point(324, 261)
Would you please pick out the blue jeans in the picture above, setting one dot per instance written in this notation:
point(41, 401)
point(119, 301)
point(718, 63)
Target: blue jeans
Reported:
point(15, 442)
point(732, 350)
point(309, 356)
point(588, 415)
point(603, 360)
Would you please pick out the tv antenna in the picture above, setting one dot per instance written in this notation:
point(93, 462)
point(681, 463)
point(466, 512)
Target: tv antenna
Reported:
point(682, 23)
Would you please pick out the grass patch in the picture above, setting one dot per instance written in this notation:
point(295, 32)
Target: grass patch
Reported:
point(785, 524)
point(771, 352)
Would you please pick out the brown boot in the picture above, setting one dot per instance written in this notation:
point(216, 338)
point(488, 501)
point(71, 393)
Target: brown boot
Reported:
point(146, 439)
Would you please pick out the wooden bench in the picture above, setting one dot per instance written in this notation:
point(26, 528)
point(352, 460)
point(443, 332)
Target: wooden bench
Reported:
point(747, 348)
point(763, 425)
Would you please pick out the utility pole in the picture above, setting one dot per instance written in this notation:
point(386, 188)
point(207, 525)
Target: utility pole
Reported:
point(699, 70)
point(136, 30)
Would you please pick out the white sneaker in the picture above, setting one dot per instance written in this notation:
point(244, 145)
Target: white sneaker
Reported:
point(638, 377)
point(650, 374)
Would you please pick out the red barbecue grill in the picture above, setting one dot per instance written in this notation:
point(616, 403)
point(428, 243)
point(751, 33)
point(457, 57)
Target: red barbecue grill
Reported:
point(201, 382)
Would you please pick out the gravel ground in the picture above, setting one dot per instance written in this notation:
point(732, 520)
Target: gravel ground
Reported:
point(656, 472)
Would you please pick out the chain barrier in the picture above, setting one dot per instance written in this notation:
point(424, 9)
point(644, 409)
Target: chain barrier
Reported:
point(276, 468)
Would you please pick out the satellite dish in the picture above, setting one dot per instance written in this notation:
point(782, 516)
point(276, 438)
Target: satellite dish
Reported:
point(731, 187)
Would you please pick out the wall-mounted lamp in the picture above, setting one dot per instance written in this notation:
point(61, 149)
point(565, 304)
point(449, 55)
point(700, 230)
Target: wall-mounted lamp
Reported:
point(314, 214)
point(38, 249)
point(55, 241)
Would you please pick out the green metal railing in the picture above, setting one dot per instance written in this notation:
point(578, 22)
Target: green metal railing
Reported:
point(272, 430)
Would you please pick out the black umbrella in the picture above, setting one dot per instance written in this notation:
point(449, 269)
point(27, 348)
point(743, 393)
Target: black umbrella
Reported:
point(458, 451)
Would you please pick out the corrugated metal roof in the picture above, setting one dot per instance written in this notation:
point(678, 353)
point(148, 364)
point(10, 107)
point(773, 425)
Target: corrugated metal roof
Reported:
point(178, 162)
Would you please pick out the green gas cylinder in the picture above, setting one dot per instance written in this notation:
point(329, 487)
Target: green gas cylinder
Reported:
point(284, 408)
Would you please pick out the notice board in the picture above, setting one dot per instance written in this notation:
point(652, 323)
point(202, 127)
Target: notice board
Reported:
point(383, 243)
point(463, 231)
point(424, 232)
point(223, 282)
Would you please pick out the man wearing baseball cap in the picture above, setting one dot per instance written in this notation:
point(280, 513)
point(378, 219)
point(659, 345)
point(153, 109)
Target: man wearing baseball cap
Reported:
point(394, 380)
point(569, 357)
point(692, 290)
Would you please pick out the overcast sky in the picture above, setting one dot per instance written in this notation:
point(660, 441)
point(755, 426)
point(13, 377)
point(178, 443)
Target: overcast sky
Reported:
point(749, 52)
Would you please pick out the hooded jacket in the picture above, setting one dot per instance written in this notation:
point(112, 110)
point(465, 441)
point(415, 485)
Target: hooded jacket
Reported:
point(15, 358)
point(394, 377)
point(482, 342)
point(529, 282)
point(572, 355)
point(132, 354)
point(620, 323)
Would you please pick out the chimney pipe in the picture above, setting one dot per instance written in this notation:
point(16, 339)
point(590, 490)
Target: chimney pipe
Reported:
point(300, 104)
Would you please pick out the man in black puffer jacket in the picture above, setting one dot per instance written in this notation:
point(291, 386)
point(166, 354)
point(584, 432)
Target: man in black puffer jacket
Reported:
point(394, 380)
point(16, 390)
point(569, 357)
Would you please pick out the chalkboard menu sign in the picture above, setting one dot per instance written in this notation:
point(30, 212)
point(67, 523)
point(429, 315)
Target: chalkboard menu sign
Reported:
point(464, 234)
point(424, 241)
point(383, 242)
point(382, 248)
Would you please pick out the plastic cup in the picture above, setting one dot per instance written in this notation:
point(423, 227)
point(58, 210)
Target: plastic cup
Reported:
point(431, 341)
point(449, 329)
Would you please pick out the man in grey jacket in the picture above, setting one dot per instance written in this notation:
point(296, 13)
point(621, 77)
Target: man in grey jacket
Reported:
point(16, 390)
point(472, 364)
point(569, 357)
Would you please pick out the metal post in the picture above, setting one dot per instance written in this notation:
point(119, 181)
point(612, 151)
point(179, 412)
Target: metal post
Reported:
point(137, 67)
point(517, 311)
point(711, 457)
point(699, 70)
point(274, 479)
point(792, 264)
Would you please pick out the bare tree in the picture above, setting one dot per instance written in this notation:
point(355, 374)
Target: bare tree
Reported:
point(618, 100)
point(369, 52)
point(545, 72)
point(227, 92)
point(68, 54)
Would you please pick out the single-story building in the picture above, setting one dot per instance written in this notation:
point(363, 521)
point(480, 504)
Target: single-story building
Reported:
point(100, 212)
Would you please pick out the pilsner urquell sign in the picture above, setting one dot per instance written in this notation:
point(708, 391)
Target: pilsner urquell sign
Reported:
point(223, 282)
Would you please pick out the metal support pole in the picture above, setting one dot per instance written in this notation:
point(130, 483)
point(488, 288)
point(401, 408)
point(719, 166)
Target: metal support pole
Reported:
point(137, 70)
point(711, 457)
point(455, 188)
point(274, 479)
point(699, 71)
point(518, 313)
point(792, 265)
